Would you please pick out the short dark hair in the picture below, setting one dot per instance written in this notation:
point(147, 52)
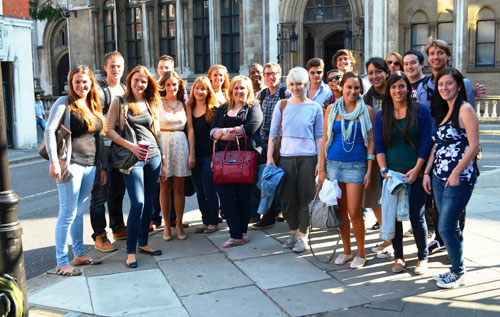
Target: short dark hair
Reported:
point(340, 53)
point(378, 63)
point(315, 62)
point(112, 55)
point(418, 54)
point(37, 94)
point(167, 58)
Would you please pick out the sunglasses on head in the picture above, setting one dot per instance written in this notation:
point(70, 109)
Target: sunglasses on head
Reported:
point(319, 72)
point(336, 77)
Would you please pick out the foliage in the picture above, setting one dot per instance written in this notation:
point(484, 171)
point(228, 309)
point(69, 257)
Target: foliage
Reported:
point(47, 12)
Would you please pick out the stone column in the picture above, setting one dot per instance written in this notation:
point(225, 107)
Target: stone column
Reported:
point(460, 34)
point(273, 19)
point(497, 40)
point(250, 51)
point(214, 44)
point(381, 27)
point(145, 36)
point(95, 27)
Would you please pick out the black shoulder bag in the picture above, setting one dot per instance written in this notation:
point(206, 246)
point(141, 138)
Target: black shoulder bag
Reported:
point(119, 156)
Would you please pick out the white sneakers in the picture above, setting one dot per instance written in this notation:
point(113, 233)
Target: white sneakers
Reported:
point(356, 263)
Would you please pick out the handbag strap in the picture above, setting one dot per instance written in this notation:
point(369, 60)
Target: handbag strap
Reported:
point(283, 106)
point(407, 139)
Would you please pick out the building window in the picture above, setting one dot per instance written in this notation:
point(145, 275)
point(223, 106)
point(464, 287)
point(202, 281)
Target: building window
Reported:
point(61, 40)
point(445, 33)
point(485, 43)
point(109, 26)
point(319, 11)
point(166, 12)
point(419, 35)
point(134, 34)
point(201, 36)
point(230, 36)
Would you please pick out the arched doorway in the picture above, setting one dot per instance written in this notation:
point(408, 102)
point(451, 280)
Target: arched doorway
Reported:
point(62, 74)
point(308, 48)
point(330, 45)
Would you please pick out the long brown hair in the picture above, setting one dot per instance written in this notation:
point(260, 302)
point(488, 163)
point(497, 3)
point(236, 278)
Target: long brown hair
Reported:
point(182, 85)
point(92, 99)
point(151, 94)
point(211, 102)
point(225, 85)
point(388, 109)
point(248, 83)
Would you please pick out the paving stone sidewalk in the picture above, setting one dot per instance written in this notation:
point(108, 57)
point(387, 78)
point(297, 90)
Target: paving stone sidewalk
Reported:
point(196, 277)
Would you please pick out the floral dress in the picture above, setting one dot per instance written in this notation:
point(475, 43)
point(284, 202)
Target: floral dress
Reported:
point(451, 146)
point(175, 142)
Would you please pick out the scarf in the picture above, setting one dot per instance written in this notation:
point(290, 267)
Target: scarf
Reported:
point(360, 112)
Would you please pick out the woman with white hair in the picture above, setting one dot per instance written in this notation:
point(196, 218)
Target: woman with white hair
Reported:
point(301, 132)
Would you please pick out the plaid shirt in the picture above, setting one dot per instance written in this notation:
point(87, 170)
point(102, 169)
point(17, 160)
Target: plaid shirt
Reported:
point(267, 109)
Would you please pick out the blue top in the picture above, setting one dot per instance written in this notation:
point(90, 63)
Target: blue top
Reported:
point(426, 89)
point(421, 137)
point(451, 146)
point(324, 92)
point(301, 124)
point(347, 151)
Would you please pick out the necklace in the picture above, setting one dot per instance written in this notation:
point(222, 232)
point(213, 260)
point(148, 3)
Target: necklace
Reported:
point(172, 107)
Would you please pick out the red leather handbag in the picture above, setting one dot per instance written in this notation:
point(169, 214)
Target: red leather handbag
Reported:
point(239, 167)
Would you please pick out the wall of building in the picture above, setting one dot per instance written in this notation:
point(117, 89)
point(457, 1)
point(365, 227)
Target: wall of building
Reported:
point(16, 9)
point(15, 47)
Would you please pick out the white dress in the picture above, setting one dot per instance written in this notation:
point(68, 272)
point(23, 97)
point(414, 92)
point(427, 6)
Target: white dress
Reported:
point(175, 142)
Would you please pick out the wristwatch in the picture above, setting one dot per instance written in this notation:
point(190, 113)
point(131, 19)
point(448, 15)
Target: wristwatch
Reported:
point(224, 131)
point(383, 171)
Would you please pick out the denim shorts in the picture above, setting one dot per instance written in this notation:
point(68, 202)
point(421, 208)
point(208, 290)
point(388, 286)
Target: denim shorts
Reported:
point(346, 172)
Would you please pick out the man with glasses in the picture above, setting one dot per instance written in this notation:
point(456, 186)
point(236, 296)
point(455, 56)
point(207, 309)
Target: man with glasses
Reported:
point(318, 91)
point(269, 97)
point(334, 76)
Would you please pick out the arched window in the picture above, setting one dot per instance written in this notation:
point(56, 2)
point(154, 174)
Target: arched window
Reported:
point(201, 36)
point(230, 36)
point(166, 12)
point(419, 31)
point(61, 39)
point(109, 26)
point(134, 34)
point(319, 11)
point(485, 38)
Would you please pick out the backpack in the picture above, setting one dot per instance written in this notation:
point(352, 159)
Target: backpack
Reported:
point(425, 85)
point(11, 297)
point(265, 92)
point(107, 95)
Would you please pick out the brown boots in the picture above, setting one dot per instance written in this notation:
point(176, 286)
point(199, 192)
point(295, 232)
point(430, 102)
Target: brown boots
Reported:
point(103, 244)
point(120, 234)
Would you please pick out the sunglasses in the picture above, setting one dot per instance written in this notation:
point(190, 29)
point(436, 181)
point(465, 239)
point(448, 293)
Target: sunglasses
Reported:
point(85, 67)
point(391, 62)
point(336, 77)
point(319, 72)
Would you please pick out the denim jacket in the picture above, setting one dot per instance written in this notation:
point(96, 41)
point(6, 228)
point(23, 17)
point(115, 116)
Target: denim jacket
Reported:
point(270, 186)
point(395, 204)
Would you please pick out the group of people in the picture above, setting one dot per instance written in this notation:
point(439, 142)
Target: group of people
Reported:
point(395, 129)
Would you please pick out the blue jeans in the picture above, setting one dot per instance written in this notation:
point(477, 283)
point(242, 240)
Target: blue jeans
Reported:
point(450, 202)
point(208, 201)
point(140, 185)
point(417, 198)
point(72, 198)
point(42, 123)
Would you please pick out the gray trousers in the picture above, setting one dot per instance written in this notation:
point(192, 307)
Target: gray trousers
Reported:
point(298, 190)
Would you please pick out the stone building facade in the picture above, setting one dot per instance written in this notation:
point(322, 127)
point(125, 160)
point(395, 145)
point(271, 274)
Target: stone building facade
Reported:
point(17, 73)
point(237, 33)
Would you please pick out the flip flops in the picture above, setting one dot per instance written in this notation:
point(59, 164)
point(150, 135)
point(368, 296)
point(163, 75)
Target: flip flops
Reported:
point(232, 243)
point(75, 272)
point(89, 261)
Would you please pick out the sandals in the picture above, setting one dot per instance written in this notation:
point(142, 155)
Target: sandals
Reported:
point(232, 243)
point(200, 229)
point(89, 261)
point(75, 272)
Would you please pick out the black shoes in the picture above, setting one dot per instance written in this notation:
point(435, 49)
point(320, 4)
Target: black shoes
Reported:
point(153, 252)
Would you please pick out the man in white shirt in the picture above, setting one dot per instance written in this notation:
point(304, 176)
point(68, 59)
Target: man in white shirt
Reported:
point(114, 190)
point(41, 118)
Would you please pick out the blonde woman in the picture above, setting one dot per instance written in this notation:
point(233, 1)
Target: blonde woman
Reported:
point(179, 150)
point(204, 105)
point(241, 114)
point(395, 62)
point(142, 103)
point(219, 79)
point(75, 172)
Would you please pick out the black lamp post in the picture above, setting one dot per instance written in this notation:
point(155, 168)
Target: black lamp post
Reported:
point(347, 37)
point(11, 246)
point(287, 42)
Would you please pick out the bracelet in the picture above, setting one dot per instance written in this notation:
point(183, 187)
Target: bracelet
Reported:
point(370, 157)
point(426, 173)
point(383, 171)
